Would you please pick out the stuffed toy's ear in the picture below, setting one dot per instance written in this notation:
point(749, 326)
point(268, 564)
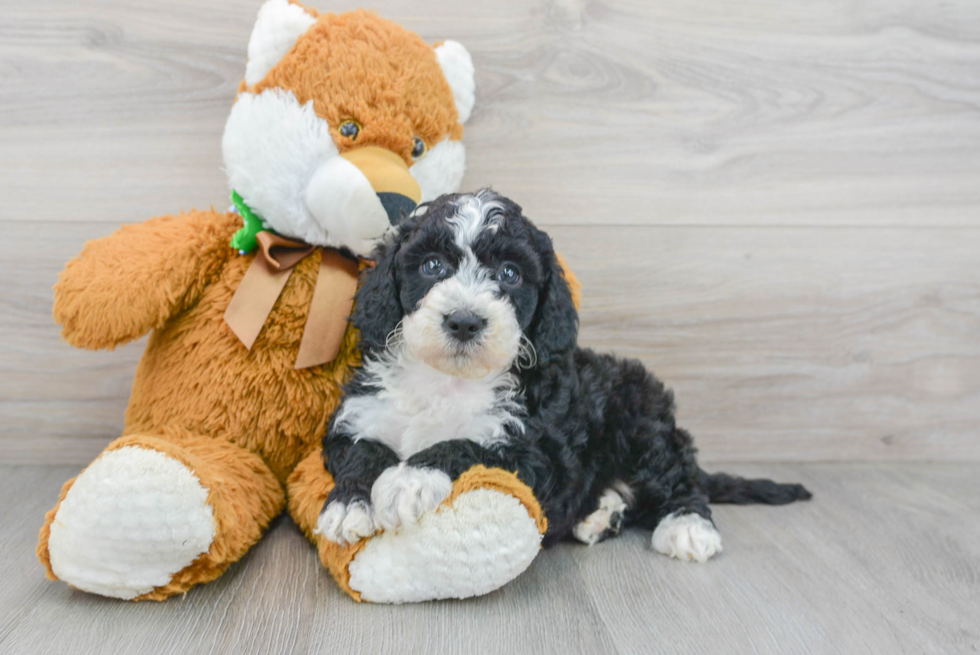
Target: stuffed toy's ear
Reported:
point(277, 28)
point(457, 66)
point(555, 326)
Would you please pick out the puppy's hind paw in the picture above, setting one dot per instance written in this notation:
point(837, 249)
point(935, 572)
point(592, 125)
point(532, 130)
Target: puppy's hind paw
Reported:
point(605, 522)
point(687, 537)
point(346, 524)
point(402, 494)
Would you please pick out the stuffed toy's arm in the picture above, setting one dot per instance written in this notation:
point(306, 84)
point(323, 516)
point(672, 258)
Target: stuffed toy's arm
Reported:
point(124, 285)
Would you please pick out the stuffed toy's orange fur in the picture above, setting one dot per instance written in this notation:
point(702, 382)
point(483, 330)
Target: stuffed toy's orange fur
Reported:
point(217, 435)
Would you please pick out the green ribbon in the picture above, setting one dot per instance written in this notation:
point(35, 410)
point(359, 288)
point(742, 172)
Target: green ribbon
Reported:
point(244, 239)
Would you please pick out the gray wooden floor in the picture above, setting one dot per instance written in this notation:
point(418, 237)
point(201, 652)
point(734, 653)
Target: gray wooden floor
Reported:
point(775, 204)
point(885, 559)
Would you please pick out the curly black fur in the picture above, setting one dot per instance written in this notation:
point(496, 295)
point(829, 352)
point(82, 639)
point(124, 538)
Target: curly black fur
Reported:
point(591, 420)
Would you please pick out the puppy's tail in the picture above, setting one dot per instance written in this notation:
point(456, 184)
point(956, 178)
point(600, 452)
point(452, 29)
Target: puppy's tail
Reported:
point(724, 488)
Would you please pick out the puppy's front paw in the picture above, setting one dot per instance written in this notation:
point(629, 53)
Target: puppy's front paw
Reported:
point(346, 524)
point(687, 537)
point(403, 493)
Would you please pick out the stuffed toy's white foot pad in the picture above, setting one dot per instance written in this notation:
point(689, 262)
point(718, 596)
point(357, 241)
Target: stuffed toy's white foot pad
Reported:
point(130, 521)
point(472, 546)
point(687, 537)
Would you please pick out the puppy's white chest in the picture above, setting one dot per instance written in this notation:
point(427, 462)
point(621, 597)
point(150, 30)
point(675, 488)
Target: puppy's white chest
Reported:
point(416, 407)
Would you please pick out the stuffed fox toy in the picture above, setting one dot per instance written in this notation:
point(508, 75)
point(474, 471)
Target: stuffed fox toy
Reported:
point(342, 124)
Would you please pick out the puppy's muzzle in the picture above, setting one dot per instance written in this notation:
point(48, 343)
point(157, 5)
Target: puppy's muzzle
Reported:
point(463, 326)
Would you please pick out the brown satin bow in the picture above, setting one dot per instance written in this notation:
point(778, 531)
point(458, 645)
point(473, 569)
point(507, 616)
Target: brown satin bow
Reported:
point(333, 297)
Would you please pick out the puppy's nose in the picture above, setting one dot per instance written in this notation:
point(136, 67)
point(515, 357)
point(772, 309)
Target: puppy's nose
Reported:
point(464, 325)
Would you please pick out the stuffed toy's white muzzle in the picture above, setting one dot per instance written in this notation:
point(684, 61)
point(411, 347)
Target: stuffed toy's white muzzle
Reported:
point(358, 195)
point(281, 159)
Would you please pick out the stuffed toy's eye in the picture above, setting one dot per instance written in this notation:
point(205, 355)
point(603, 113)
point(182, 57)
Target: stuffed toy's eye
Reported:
point(350, 129)
point(509, 275)
point(418, 149)
point(433, 267)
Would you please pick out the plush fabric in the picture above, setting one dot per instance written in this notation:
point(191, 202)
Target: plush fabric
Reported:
point(262, 416)
point(356, 82)
point(217, 432)
point(257, 416)
point(280, 23)
point(440, 560)
point(241, 490)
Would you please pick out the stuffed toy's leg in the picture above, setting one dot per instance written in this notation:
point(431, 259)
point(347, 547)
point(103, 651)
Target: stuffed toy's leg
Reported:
point(155, 515)
point(483, 536)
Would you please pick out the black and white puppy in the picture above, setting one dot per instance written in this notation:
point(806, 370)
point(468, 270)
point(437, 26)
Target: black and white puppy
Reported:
point(468, 333)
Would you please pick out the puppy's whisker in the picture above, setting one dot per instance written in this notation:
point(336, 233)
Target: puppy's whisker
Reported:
point(395, 337)
point(527, 356)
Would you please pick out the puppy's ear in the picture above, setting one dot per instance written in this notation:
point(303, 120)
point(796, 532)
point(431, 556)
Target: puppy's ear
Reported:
point(554, 329)
point(377, 309)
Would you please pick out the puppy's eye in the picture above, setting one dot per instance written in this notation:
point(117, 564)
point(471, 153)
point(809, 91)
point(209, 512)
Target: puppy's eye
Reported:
point(350, 129)
point(509, 275)
point(418, 148)
point(433, 267)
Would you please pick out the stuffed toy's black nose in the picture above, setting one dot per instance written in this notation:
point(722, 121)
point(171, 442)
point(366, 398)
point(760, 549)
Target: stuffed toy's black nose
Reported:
point(396, 206)
point(464, 325)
